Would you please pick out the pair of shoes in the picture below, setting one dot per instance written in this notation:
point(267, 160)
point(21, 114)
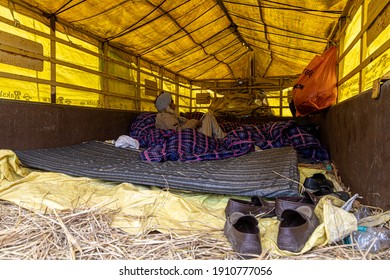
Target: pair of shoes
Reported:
point(257, 206)
point(242, 227)
point(292, 202)
point(317, 181)
point(243, 233)
point(296, 227)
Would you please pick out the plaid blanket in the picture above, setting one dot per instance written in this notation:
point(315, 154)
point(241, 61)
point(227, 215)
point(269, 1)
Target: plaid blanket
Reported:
point(191, 145)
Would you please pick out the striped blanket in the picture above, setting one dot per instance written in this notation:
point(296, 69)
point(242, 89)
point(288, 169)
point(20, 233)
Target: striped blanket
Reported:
point(191, 145)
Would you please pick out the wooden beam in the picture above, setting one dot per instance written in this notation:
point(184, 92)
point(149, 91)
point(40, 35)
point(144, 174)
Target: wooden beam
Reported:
point(53, 66)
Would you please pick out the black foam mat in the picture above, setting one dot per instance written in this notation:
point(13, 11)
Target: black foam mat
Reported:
point(267, 173)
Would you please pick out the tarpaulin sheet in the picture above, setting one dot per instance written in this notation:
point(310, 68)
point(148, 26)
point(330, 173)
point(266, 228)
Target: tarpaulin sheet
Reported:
point(141, 209)
point(200, 39)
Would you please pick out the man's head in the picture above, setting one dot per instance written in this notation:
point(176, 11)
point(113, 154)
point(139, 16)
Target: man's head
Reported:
point(164, 101)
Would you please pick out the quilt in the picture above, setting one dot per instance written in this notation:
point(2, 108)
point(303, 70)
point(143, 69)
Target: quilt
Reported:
point(191, 145)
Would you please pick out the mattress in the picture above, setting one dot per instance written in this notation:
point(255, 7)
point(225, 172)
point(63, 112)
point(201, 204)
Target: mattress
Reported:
point(267, 173)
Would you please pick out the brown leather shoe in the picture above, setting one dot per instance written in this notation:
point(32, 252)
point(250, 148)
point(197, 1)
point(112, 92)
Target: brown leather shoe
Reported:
point(324, 191)
point(257, 206)
point(243, 233)
point(291, 202)
point(296, 228)
point(317, 195)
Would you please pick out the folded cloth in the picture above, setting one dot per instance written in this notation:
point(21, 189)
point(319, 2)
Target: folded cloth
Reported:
point(125, 141)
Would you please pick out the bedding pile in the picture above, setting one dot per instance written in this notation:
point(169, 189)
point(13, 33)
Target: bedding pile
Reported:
point(256, 159)
point(190, 145)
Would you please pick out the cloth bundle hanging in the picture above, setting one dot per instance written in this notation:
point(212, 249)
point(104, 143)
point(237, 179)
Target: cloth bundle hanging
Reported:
point(316, 87)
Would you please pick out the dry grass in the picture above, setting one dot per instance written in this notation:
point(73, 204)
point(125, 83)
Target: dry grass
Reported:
point(85, 234)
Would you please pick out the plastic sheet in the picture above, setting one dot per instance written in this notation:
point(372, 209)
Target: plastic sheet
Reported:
point(316, 87)
point(143, 209)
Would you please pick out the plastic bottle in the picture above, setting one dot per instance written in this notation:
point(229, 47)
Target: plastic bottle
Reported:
point(373, 238)
point(327, 164)
point(362, 212)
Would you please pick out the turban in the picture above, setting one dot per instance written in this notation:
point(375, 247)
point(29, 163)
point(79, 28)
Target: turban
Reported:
point(163, 101)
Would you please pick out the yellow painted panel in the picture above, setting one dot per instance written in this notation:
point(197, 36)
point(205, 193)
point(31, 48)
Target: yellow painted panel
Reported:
point(148, 106)
point(23, 20)
point(120, 103)
point(348, 89)
point(11, 69)
point(78, 98)
point(351, 60)
point(184, 91)
point(376, 69)
point(77, 77)
point(168, 86)
point(183, 101)
point(24, 91)
point(78, 57)
point(123, 88)
point(353, 29)
point(379, 41)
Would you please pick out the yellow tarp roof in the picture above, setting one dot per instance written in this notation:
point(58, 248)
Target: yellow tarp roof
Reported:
point(202, 39)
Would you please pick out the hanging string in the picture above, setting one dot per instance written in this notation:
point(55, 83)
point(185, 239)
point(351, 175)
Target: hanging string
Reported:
point(11, 6)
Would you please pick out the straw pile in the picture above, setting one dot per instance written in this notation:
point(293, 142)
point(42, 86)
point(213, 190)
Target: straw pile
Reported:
point(86, 234)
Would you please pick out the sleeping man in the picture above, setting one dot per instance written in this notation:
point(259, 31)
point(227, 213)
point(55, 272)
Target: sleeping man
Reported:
point(167, 118)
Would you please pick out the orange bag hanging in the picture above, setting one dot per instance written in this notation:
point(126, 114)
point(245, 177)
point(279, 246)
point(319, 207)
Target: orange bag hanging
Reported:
point(316, 87)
